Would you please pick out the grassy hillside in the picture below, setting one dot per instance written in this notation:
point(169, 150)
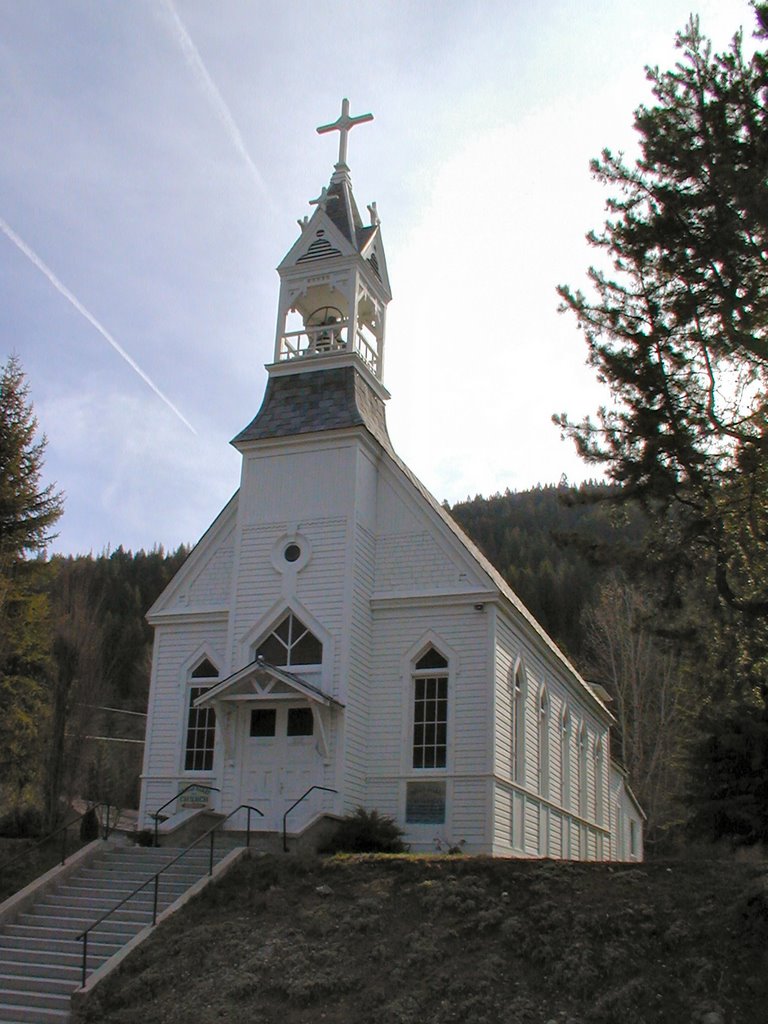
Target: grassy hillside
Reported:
point(440, 941)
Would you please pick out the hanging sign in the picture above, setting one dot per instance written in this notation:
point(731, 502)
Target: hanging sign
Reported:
point(196, 798)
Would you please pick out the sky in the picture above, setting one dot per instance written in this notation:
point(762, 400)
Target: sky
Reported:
point(157, 154)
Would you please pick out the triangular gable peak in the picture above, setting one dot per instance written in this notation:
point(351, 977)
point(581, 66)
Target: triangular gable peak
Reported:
point(372, 251)
point(188, 591)
point(320, 240)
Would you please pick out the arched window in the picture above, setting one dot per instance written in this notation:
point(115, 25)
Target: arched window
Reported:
point(582, 763)
point(430, 710)
point(201, 722)
point(620, 852)
point(543, 746)
point(518, 725)
point(290, 645)
point(565, 757)
point(599, 790)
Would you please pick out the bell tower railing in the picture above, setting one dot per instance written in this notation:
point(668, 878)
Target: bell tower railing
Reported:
point(327, 338)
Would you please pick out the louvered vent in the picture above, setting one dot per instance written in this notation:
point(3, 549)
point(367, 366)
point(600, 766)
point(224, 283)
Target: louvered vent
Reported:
point(375, 264)
point(321, 249)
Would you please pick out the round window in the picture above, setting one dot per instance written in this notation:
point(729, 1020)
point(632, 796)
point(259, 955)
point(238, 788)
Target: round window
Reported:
point(292, 553)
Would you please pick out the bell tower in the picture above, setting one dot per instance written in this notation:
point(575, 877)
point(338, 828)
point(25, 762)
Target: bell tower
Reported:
point(334, 287)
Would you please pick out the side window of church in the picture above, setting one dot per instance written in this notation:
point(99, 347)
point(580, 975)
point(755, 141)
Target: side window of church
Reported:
point(290, 644)
point(201, 722)
point(430, 711)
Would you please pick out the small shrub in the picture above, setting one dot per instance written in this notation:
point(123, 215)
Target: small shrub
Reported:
point(366, 832)
point(89, 826)
point(22, 823)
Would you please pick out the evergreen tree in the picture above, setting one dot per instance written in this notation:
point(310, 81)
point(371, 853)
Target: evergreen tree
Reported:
point(28, 511)
point(679, 332)
point(731, 798)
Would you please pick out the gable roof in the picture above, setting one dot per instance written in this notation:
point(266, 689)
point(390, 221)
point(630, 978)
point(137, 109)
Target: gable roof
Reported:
point(257, 680)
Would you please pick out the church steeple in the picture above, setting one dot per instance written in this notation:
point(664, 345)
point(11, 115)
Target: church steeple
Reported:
point(334, 287)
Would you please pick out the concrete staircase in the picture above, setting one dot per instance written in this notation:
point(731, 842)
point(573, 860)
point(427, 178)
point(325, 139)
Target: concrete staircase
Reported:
point(40, 959)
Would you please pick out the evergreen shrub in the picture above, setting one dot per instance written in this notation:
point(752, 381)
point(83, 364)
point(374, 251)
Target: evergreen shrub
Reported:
point(366, 832)
point(89, 826)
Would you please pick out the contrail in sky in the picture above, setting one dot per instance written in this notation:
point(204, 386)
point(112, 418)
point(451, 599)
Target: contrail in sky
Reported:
point(195, 61)
point(62, 290)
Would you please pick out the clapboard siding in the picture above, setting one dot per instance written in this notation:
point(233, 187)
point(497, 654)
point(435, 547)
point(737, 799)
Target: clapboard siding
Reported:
point(408, 562)
point(413, 550)
point(626, 820)
point(212, 585)
point(281, 487)
point(514, 648)
point(174, 648)
point(383, 794)
point(260, 587)
point(359, 672)
point(468, 817)
point(462, 632)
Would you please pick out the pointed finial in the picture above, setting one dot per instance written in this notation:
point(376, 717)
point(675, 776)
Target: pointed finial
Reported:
point(322, 199)
point(344, 125)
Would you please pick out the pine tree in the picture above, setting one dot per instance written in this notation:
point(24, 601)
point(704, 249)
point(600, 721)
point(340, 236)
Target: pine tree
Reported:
point(678, 329)
point(28, 511)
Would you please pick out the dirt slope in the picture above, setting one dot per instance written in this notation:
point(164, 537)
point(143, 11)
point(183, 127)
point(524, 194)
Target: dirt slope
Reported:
point(413, 941)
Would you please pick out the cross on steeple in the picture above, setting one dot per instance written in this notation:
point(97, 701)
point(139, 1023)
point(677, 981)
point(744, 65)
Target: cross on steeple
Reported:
point(344, 126)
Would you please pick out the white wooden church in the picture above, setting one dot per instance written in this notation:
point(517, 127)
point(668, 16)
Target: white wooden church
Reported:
point(335, 628)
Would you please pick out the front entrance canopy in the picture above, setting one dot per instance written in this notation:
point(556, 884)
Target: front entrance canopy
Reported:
point(261, 681)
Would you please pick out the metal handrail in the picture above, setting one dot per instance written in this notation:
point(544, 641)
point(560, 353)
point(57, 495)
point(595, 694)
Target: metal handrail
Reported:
point(83, 936)
point(192, 785)
point(296, 803)
point(64, 829)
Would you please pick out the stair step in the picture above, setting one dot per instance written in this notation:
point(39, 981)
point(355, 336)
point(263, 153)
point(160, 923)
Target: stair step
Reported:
point(128, 912)
point(93, 909)
point(83, 888)
point(30, 999)
point(134, 879)
point(111, 937)
point(73, 924)
point(36, 983)
point(15, 1014)
point(43, 966)
point(159, 857)
point(13, 945)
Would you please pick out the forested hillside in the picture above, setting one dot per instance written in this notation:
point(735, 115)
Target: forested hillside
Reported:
point(101, 660)
point(554, 545)
point(78, 731)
